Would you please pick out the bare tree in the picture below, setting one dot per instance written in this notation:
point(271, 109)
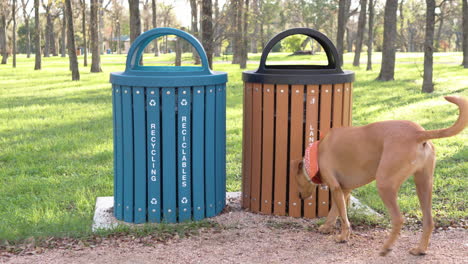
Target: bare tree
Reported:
point(3, 32)
point(95, 54)
point(14, 32)
point(49, 34)
point(370, 35)
point(63, 45)
point(465, 33)
point(83, 29)
point(71, 42)
point(37, 38)
point(155, 25)
point(178, 52)
point(207, 29)
point(341, 29)
point(194, 14)
point(428, 85)
point(243, 49)
point(387, 71)
point(360, 32)
point(256, 30)
point(27, 18)
point(135, 23)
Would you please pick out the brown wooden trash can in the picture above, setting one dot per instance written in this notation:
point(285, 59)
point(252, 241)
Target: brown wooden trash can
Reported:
point(286, 108)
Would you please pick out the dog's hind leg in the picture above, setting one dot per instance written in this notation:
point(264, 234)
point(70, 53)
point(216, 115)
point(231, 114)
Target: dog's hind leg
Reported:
point(329, 225)
point(388, 190)
point(424, 180)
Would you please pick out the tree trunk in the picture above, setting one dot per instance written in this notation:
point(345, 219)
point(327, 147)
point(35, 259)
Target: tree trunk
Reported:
point(217, 32)
point(63, 47)
point(428, 85)
point(387, 70)
point(439, 33)
point(207, 30)
point(71, 42)
point(341, 29)
point(465, 34)
point(237, 35)
point(3, 38)
point(14, 32)
point(194, 9)
point(245, 31)
point(26, 18)
point(360, 32)
point(254, 36)
point(370, 35)
point(100, 28)
point(155, 25)
point(135, 23)
point(37, 39)
point(52, 48)
point(178, 52)
point(83, 29)
point(96, 55)
point(47, 34)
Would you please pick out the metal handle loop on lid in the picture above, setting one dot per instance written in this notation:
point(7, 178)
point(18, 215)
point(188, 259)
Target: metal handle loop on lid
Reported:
point(140, 43)
point(334, 64)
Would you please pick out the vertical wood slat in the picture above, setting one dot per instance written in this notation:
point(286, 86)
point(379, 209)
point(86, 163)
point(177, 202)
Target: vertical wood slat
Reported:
point(311, 134)
point(256, 147)
point(118, 153)
point(346, 104)
point(267, 148)
point(139, 133)
point(127, 116)
point(169, 155)
point(198, 148)
point(184, 154)
point(153, 139)
point(323, 201)
point(350, 86)
point(337, 105)
point(220, 164)
point(210, 151)
point(247, 146)
point(281, 149)
point(295, 149)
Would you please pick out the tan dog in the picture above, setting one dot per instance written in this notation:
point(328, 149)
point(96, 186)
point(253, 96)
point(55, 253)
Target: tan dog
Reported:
point(388, 152)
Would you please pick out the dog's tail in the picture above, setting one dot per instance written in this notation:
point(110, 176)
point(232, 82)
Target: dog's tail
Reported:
point(456, 128)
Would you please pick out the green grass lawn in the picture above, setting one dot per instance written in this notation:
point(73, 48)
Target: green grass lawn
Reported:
point(56, 138)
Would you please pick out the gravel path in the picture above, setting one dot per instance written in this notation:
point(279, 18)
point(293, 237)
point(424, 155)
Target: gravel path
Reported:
point(250, 238)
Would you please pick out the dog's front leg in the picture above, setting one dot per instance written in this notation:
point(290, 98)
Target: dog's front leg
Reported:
point(329, 224)
point(340, 200)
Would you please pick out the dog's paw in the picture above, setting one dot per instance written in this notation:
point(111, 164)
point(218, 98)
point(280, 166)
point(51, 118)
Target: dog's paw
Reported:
point(341, 238)
point(326, 229)
point(417, 252)
point(384, 252)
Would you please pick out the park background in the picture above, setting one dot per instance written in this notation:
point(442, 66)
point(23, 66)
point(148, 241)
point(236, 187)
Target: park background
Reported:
point(56, 151)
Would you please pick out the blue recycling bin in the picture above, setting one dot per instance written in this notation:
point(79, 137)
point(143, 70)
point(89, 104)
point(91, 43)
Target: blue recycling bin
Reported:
point(169, 137)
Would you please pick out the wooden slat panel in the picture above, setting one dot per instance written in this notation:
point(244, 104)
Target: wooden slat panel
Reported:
point(184, 154)
point(198, 147)
point(169, 155)
point(210, 151)
point(312, 113)
point(337, 105)
point(256, 147)
point(281, 149)
point(267, 148)
point(323, 200)
point(220, 165)
point(118, 153)
point(325, 109)
point(247, 146)
point(346, 104)
point(139, 133)
point(127, 115)
point(295, 146)
point(153, 139)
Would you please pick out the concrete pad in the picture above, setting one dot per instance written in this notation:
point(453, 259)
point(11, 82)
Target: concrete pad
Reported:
point(104, 213)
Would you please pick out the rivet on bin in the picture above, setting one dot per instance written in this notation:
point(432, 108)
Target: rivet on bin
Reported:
point(172, 109)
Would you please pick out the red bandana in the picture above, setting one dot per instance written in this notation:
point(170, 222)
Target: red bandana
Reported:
point(311, 166)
